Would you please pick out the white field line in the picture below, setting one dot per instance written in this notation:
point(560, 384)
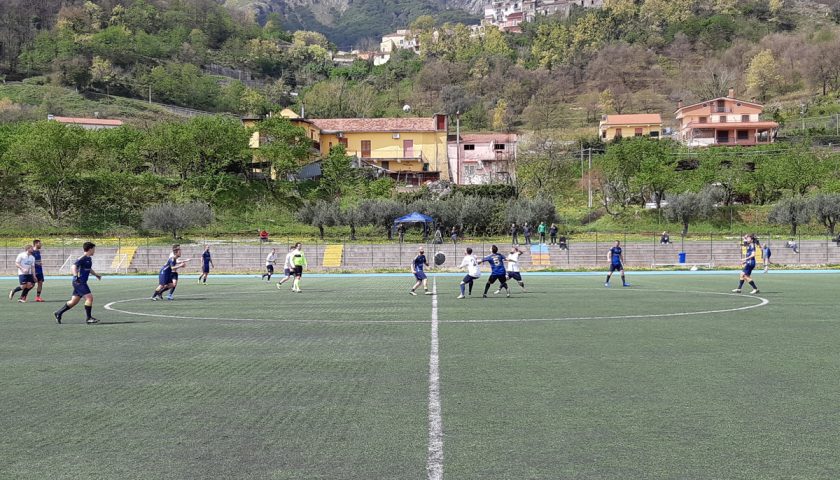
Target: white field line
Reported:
point(434, 459)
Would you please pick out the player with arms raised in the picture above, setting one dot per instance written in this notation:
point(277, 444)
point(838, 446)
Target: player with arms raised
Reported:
point(616, 258)
point(473, 271)
point(749, 264)
point(497, 271)
point(417, 266)
point(82, 269)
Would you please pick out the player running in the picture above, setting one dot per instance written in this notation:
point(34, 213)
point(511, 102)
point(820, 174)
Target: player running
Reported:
point(39, 269)
point(82, 269)
point(749, 264)
point(417, 266)
point(165, 275)
point(25, 263)
point(177, 266)
point(766, 253)
point(497, 271)
point(513, 272)
point(270, 260)
point(298, 262)
point(616, 258)
point(288, 267)
point(206, 264)
point(473, 271)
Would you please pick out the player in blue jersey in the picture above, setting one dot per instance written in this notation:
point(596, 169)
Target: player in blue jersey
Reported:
point(749, 264)
point(206, 264)
point(766, 254)
point(616, 258)
point(166, 273)
point(39, 269)
point(497, 271)
point(82, 269)
point(417, 266)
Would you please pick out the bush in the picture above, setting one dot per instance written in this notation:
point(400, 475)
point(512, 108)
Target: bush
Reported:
point(39, 80)
point(173, 217)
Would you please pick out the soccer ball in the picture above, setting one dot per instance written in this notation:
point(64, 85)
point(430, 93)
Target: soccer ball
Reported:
point(406, 108)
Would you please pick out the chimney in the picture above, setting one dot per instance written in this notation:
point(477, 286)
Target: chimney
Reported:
point(679, 104)
point(731, 92)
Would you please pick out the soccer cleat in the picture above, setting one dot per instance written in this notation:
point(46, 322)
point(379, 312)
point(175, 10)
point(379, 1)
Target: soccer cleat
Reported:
point(412, 292)
point(91, 321)
point(507, 294)
point(11, 294)
point(39, 300)
point(497, 292)
point(625, 284)
point(607, 284)
point(736, 290)
point(22, 300)
point(154, 298)
point(461, 296)
point(279, 286)
point(170, 298)
point(57, 317)
point(754, 291)
point(484, 296)
point(427, 293)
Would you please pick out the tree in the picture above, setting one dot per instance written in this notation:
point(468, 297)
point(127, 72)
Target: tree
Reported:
point(319, 214)
point(285, 146)
point(763, 74)
point(688, 207)
point(338, 175)
point(173, 217)
point(790, 211)
point(826, 209)
point(381, 213)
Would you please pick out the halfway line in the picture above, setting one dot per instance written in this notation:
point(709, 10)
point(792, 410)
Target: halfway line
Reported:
point(434, 459)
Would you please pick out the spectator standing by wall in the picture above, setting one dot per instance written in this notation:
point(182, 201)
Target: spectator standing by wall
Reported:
point(526, 232)
point(541, 231)
point(552, 232)
point(514, 234)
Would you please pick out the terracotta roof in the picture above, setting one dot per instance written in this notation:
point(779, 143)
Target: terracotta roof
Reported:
point(375, 124)
point(735, 125)
point(719, 98)
point(633, 119)
point(87, 121)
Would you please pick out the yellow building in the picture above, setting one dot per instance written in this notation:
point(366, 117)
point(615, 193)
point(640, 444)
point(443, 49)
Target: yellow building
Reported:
point(410, 150)
point(635, 125)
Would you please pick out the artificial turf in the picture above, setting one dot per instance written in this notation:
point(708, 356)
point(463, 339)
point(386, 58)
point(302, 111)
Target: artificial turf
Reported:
point(568, 380)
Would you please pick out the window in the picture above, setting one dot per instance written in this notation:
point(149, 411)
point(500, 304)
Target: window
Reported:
point(654, 134)
point(703, 119)
point(722, 136)
point(441, 122)
point(469, 147)
point(469, 170)
point(745, 118)
point(722, 119)
point(603, 134)
point(343, 142)
point(365, 148)
point(386, 165)
point(499, 146)
point(743, 135)
point(617, 133)
point(639, 132)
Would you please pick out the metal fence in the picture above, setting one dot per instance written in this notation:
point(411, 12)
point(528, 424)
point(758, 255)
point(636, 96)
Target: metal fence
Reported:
point(584, 251)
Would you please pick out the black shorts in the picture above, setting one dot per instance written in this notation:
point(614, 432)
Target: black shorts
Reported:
point(174, 276)
point(39, 276)
point(24, 279)
point(616, 266)
point(80, 289)
point(270, 268)
point(469, 279)
point(205, 268)
point(515, 276)
point(501, 278)
point(298, 271)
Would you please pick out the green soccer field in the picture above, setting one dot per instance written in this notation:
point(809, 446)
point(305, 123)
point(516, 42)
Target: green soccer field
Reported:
point(673, 377)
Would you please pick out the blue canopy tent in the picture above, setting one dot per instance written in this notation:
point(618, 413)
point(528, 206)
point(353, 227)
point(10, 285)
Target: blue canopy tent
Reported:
point(416, 217)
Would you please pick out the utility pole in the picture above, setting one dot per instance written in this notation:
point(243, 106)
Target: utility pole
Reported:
point(589, 178)
point(458, 147)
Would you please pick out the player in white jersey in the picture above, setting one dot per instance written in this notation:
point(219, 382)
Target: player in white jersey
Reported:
point(270, 260)
point(25, 263)
point(288, 267)
point(513, 271)
point(473, 271)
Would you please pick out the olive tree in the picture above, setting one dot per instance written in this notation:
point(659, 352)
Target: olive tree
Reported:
point(175, 217)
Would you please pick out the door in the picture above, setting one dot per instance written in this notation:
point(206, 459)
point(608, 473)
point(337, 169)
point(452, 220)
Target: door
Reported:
point(365, 148)
point(408, 148)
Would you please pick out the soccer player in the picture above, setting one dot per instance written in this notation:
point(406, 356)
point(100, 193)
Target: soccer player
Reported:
point(82, 269)
point(298, 262)
point(473, 271)
point(25, 263)
point(206, 264)
point(417, 266)
point(39, 269)
point(175, 267)
point(497, 270)
point(165, 274)
point(288, 267)
point(766, 256)
point(749, 264)
point(616, 258)
point(513, 272)
point(270, 260)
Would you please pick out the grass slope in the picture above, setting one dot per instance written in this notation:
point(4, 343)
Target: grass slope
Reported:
point(749, 394)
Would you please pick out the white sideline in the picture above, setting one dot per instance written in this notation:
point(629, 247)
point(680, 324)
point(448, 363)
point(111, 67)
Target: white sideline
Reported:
point(434, 459)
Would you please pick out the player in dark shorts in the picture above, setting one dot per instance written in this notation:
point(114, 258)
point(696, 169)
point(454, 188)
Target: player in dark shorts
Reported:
point(82, 269)
point(417, 266)
point(749, 264)
point(39, 269)
point(206, 264)
point(616, 258)
point(497, 270)
point(165, 276)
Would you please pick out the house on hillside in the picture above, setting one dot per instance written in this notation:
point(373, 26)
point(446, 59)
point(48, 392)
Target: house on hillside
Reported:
point(399, 40)
point(479, 158)
point(724, 121)
point(632, 125)
point(409, 150)
point(508, 15)
point(87, 123)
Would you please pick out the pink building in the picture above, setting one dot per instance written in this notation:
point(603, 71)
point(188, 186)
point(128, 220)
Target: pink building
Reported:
point(483, 158)
point(724, 121)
